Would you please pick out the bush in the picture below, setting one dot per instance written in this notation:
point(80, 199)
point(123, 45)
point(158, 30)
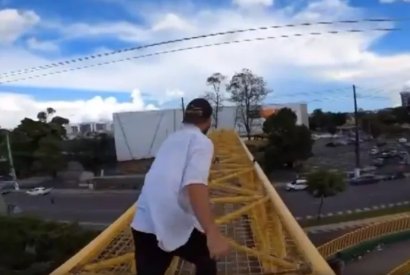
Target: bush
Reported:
point(30, 246)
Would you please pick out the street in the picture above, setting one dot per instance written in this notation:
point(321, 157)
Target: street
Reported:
point(106, 206)
point(97, 207)
point(302, 204)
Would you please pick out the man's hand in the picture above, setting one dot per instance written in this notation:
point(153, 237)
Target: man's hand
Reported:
point(217, 244)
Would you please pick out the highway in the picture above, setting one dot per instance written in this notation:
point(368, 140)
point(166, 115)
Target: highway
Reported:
point(97, 207)
point(380, 262)
point(106, 206)
point(302, 204)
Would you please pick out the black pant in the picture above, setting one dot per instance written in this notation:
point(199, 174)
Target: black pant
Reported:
point(152, 260)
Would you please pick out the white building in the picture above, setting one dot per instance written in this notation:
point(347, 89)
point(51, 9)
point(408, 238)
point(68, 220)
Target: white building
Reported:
point(138, 135)
point(78, 129)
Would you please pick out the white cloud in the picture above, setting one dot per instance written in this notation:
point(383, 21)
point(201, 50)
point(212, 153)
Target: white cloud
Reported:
point(14, 23)
point(121, 30)
point(14, 107)
point(45, 46)
point(171, 22)
point(345, 57)
point(248, 3)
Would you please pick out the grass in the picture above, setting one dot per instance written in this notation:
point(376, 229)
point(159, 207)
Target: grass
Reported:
point(355, 216)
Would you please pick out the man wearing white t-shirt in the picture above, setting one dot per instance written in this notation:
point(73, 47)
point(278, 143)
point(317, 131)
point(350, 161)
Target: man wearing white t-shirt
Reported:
point(173, 215)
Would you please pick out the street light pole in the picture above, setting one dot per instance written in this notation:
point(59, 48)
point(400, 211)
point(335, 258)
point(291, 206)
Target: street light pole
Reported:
point(357, 140)
point(12, 170)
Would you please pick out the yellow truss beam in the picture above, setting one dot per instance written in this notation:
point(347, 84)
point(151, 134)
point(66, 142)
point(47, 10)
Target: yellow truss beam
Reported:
point(260, 229)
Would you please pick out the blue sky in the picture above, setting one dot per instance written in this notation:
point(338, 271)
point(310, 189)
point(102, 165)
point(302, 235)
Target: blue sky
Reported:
point(318, 70)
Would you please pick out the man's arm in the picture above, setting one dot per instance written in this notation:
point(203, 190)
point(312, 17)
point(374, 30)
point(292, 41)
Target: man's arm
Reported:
point(196, 184)
point(199, 198)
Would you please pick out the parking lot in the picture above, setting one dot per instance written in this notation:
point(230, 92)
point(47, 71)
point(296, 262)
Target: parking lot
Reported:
point(343, 157)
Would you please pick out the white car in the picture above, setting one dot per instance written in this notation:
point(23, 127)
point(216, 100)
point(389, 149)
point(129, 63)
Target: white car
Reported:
point(297, 185)
point(38, 191)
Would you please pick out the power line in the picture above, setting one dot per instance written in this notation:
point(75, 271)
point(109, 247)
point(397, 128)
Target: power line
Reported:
point(100, 55)
point(198, 47)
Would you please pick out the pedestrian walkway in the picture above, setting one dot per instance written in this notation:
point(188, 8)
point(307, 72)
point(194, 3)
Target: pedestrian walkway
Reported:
point(352, 224)
point(380, 262)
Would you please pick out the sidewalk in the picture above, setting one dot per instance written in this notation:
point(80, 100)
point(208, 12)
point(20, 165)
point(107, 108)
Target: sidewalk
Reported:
point(353, 224)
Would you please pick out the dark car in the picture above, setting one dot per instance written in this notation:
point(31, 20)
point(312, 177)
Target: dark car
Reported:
point(6, 178)
point(6, 187)
point(365, 179)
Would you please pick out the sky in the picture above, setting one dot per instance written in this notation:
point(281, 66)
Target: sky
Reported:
point(317, 69)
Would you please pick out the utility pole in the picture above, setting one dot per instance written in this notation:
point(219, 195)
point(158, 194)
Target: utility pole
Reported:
point(12, 171)
point(357, 140)
point(182, 106)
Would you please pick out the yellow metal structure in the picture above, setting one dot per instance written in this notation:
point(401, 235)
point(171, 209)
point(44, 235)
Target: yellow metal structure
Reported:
point(403, 269)
point(376, 230)
point(264, 236)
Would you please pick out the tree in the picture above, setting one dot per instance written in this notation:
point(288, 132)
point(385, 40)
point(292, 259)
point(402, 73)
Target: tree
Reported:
point(331, 129)
point(287, 142)
point(92, 152)
point(401, 115)
point(326, 121)
point(37, 143)
point(248, 91)
point(34, 247)
point(323, 183)
point(216, 97)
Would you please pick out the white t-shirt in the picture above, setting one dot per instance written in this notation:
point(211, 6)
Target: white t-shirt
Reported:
point(163, 207)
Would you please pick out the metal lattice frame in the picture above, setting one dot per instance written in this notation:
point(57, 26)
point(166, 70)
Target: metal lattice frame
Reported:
point(373, 231)
point(403, 269)
point(264, 237)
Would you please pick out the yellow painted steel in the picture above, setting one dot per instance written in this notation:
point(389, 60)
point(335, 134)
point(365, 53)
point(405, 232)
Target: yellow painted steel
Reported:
point(264, 236)
point(403, 269)
point(376, 230)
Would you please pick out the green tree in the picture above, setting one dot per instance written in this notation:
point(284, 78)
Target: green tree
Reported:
point(92, 152)
point(215, 97)
point(317, 119)
point(37, 143)
point(34, 247)
point(323, 183)
point(401, 115)
point(248, 91)
point(324, 121)
point(331, 129)
point(287, 142)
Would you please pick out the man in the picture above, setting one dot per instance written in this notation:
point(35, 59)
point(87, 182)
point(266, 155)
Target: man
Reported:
point(173, 215)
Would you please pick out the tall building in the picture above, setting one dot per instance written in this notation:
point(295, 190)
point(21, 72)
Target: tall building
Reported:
point(81, 129)
point(405, 98)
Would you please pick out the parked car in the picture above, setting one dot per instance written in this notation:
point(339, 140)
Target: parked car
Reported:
point(38, 191)
point(378, 162)
point(6, 177)
point(396, 176)
point(297, 185)
point(364, 179)
point(7, 187)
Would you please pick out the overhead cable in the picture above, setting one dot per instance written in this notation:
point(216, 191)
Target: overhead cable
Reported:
point(101, 55)
point(195, 48)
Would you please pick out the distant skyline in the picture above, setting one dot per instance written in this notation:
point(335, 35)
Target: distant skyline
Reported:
point(319, 70)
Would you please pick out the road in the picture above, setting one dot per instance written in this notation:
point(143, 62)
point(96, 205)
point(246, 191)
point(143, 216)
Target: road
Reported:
point(106, 206)
point(380, 262)
point(98, 207)
point(301, 204)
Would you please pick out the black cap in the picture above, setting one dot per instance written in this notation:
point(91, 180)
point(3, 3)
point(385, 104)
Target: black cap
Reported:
point(197, 110)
